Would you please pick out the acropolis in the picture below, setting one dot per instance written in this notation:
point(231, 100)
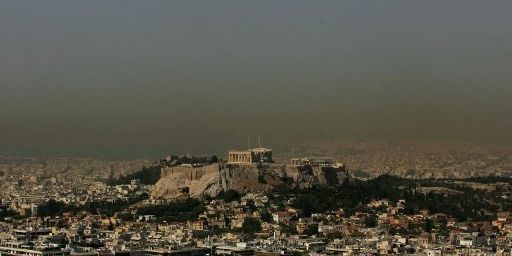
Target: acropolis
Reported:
point(249, 156)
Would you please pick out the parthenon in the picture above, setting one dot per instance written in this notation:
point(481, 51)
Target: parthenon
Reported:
point(255, 155)
point(239, 157)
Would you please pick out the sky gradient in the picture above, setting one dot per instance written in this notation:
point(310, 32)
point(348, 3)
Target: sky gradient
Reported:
point(124, 79)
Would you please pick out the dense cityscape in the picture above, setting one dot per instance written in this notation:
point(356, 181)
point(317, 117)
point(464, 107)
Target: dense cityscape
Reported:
point(255, 128)
point(306, 206)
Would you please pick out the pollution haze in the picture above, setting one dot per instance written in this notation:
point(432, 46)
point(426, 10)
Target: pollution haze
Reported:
point(124, 79)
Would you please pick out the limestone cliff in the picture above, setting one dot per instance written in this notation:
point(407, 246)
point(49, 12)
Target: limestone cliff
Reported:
point(212, 179)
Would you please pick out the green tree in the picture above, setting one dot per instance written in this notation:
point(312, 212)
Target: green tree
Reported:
point(266, 216)
point(334, 235)
point(428, 225)
point(371, 221)
point(125, 216)
point(251, 225)
point(229, 195)
point(312, 229)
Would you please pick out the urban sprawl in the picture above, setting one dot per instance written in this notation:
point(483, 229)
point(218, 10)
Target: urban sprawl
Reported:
point(249, 204)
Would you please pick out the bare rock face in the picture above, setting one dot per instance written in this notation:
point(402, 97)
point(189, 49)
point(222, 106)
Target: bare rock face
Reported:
point(177, 181)
point(210, 183)
point(210, 180)
point(307, 176)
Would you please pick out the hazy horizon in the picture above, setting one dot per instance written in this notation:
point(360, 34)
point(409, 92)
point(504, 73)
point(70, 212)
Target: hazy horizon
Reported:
point(125, 79)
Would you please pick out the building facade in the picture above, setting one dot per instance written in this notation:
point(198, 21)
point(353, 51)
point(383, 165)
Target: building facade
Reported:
point(249, 156)
point(313, 161)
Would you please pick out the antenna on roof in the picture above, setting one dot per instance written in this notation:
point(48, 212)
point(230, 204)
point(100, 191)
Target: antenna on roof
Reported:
point(259, 141)
point(248, 142)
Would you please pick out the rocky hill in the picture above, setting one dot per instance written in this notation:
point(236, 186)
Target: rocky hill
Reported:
point(210, 180)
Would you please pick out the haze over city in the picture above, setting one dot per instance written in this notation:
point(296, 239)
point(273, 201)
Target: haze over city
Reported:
point(125, 79)
point(255, 128)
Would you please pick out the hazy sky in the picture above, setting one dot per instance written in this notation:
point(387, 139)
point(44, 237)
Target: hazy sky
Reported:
point(122, 79)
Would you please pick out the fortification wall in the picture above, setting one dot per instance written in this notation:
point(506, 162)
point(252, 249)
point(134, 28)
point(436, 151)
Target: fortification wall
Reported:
point(190, 173)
